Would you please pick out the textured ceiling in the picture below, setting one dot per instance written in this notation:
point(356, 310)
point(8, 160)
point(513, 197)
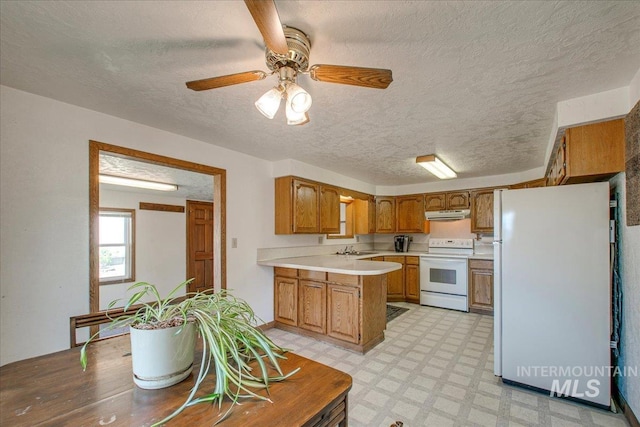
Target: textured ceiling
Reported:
point(191, 185)
point(474, 82)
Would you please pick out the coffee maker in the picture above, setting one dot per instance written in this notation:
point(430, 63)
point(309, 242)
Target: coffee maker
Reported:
point(401, 243)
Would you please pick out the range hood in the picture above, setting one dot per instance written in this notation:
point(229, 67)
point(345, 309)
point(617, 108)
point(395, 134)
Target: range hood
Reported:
point(450, 215)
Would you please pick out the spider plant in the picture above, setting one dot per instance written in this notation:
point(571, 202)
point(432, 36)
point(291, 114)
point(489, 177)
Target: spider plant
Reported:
point(226, 325)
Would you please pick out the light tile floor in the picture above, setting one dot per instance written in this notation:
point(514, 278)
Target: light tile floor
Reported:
point(435, 368)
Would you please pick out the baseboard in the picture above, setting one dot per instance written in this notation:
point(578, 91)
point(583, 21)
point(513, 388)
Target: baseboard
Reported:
point(626, 409)
point(267, 326)
point(487, 311)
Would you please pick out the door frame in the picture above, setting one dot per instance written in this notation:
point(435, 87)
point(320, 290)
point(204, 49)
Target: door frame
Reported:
point(219, 211)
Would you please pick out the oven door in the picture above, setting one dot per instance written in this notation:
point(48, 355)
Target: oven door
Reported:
point(446, 275)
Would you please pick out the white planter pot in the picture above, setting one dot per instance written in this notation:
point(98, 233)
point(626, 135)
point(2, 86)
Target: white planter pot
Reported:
point(162, 357)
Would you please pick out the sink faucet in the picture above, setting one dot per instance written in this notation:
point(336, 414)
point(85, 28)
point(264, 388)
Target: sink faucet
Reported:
point(348, 250)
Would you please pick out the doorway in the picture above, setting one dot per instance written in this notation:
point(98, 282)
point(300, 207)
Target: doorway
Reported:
point(218, 264)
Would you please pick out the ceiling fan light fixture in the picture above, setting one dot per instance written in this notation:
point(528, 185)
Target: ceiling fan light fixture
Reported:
point(287, 52)
point(269, 103)
point(436, 166)
point(295, 118)
point(299, 98)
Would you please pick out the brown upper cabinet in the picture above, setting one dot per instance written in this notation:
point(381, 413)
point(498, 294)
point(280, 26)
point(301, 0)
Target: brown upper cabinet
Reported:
point(445, 201)
point(482, 211)
point(365, 215)
point(400, 214)
point(588, 153)
point(558, 169)
point(305, 207)
point(534, 183)
point(329, 209)
point(385, 214)
point(410, 213)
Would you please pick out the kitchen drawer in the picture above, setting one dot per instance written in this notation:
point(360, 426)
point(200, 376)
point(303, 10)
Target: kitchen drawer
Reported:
point(285, 272)
point(345, 279)
point(481, 264)
point(412, 260)
point(313, 275)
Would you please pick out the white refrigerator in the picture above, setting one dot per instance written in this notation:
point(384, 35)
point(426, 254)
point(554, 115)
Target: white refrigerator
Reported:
point(552, 290)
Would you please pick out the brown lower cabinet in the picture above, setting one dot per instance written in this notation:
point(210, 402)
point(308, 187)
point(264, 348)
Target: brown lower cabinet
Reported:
point(346, 310)
point(403, 284)
point(312, 306)
point(395, 280)
point(343, 314)
point(481, 286)
point(286, 298)
point(412, 279)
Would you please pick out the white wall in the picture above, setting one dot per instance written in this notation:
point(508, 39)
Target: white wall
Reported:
point(296, 168)
point(461, 184)
point(592, 108)
point(160, 243)
point(44, 215)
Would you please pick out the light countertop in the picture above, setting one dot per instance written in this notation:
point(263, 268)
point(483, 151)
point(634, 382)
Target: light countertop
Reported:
point(488, 257)
point(343, 264)
point(484, 256)
point(358, 265)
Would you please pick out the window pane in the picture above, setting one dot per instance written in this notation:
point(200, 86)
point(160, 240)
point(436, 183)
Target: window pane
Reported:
point(112, 229)
point(116, 254)
point(113, 262)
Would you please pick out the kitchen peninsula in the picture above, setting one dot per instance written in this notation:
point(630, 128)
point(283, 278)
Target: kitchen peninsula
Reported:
point(334, 298)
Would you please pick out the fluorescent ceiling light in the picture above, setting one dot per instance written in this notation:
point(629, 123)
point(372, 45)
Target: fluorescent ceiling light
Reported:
point(435, 166)
point(129, 182)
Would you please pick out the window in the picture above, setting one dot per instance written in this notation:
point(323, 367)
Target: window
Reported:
point(117, 249)
point(346, 220)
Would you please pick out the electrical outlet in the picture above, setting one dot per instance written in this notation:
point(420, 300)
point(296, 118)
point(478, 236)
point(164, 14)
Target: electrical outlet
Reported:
point(319, 240)
point(234, 242)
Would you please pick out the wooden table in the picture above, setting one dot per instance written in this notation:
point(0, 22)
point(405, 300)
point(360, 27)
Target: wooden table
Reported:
point(53, 390)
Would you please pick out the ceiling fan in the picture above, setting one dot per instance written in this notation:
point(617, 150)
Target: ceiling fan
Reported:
point(287, 55)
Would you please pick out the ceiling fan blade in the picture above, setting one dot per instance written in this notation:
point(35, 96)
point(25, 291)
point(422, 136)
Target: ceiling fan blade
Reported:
point(376, 78)
point(265, 15)
point(228, 80)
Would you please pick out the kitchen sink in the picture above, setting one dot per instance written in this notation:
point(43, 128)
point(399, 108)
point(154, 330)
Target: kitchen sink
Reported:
point(358, 253)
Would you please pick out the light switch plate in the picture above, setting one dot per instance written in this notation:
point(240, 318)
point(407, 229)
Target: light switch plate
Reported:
point(234, 242)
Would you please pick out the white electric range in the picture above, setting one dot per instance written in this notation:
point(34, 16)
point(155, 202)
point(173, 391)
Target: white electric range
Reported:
point(443, 273)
